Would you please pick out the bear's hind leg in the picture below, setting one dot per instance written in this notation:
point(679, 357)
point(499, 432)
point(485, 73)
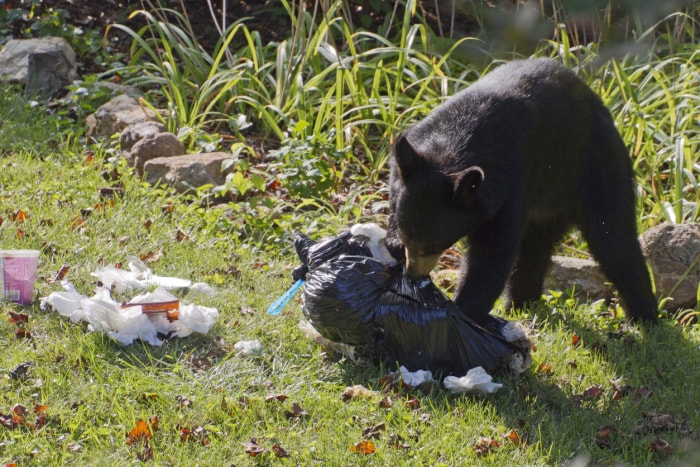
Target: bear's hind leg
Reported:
point(609, 225)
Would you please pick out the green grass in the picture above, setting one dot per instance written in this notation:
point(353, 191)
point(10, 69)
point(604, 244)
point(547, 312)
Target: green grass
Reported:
point(95, 390)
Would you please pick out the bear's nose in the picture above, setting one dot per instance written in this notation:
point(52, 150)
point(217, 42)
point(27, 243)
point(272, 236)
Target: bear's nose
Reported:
point(419, 266)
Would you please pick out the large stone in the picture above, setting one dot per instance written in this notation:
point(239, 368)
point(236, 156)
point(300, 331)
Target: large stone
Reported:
point(582, 275)
point(673, 251)
point(49, 72)
point(187, 172)
point(14, 57)
point(117, 114)
point(157, 146)
point(135, 133)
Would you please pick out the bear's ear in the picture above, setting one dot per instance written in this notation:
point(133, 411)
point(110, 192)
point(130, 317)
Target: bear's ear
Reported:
point(466, 184)
point(408, 162)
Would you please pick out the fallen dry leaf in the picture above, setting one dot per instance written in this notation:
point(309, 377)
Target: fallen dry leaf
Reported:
point(485, 445)
point(513, 437)
point(18, 319)
point(61, 274)
point(276, 397)
point(656, 423)
point(575, 340)
point(365, 447)
point(253, 448)
point(18, 216)
point(413, 403)
point(296, 413)
point(544, 368)
point(357, 391)
point(374, 432)
point(279, 451)
point(386, 402)
point(398, 442)
point(141, 431)
point(660, 446)
point(602, 436)
point(146, 454)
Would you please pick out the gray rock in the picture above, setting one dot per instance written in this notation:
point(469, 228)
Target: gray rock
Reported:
point(188, 171)
point(117, 114)
point(49, 72)
point(14, 56)
point(138, 131)
point(158, 146)
point(672, 251)
point(583, 275)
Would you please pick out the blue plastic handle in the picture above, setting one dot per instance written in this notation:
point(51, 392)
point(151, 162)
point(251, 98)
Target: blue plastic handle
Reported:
point(280, 303)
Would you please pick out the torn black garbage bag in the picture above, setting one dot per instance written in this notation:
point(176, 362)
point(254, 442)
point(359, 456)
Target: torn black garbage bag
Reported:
point(352, 298)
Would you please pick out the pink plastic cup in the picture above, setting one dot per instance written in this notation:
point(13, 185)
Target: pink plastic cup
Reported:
point(17, 275)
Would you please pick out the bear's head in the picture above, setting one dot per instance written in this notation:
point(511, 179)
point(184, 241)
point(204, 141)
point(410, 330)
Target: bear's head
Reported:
point(432, 207)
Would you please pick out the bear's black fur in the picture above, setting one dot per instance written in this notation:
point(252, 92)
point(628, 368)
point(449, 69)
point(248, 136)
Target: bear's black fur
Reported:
point(512, 163)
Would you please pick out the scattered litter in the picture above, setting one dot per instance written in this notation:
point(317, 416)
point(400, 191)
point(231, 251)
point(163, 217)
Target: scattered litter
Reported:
point(368, 304)
point(248, 348)
point(415, 378)
point(475, 381)
point(140, 277)
point(146, 316)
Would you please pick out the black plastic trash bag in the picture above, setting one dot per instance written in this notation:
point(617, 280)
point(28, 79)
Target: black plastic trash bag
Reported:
point(350, 297)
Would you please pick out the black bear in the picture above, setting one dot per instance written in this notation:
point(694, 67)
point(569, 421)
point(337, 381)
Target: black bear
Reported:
point(512, 163)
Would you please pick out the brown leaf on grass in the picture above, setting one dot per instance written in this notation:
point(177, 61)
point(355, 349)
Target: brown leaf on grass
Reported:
point(545, 368)
point(513, 437)
point(60, 275)
point(398, 442)
point(152, 256)
point(365, 447)
point(602, 436)
point(575, 340)
point(655, 423)
point(253, 448)
point(148, 223)
point(22, 333)
point(413, 403)
point(296, 412)
point(182, 402)
point(373, 432)
point(141, 431)
point(19, 233)
point(181, 236)
point(279, 451)
point(18, 319)
point(593, 392)
point(386, 402)
point(8, 420)
point(276, 397)
point(146, 454)
point(660, 446)
point(484, 445)
point(197, 434)
point(18, 216)
point(357, 391)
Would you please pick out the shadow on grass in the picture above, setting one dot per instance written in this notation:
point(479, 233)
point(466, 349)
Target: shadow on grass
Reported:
point(647, 398)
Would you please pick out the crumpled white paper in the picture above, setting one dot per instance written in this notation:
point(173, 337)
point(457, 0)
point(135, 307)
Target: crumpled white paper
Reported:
point(376, 243)
point(475, 381)
point(126, 324)
point(248, 348)
point(415, 378)
point(140, 277)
